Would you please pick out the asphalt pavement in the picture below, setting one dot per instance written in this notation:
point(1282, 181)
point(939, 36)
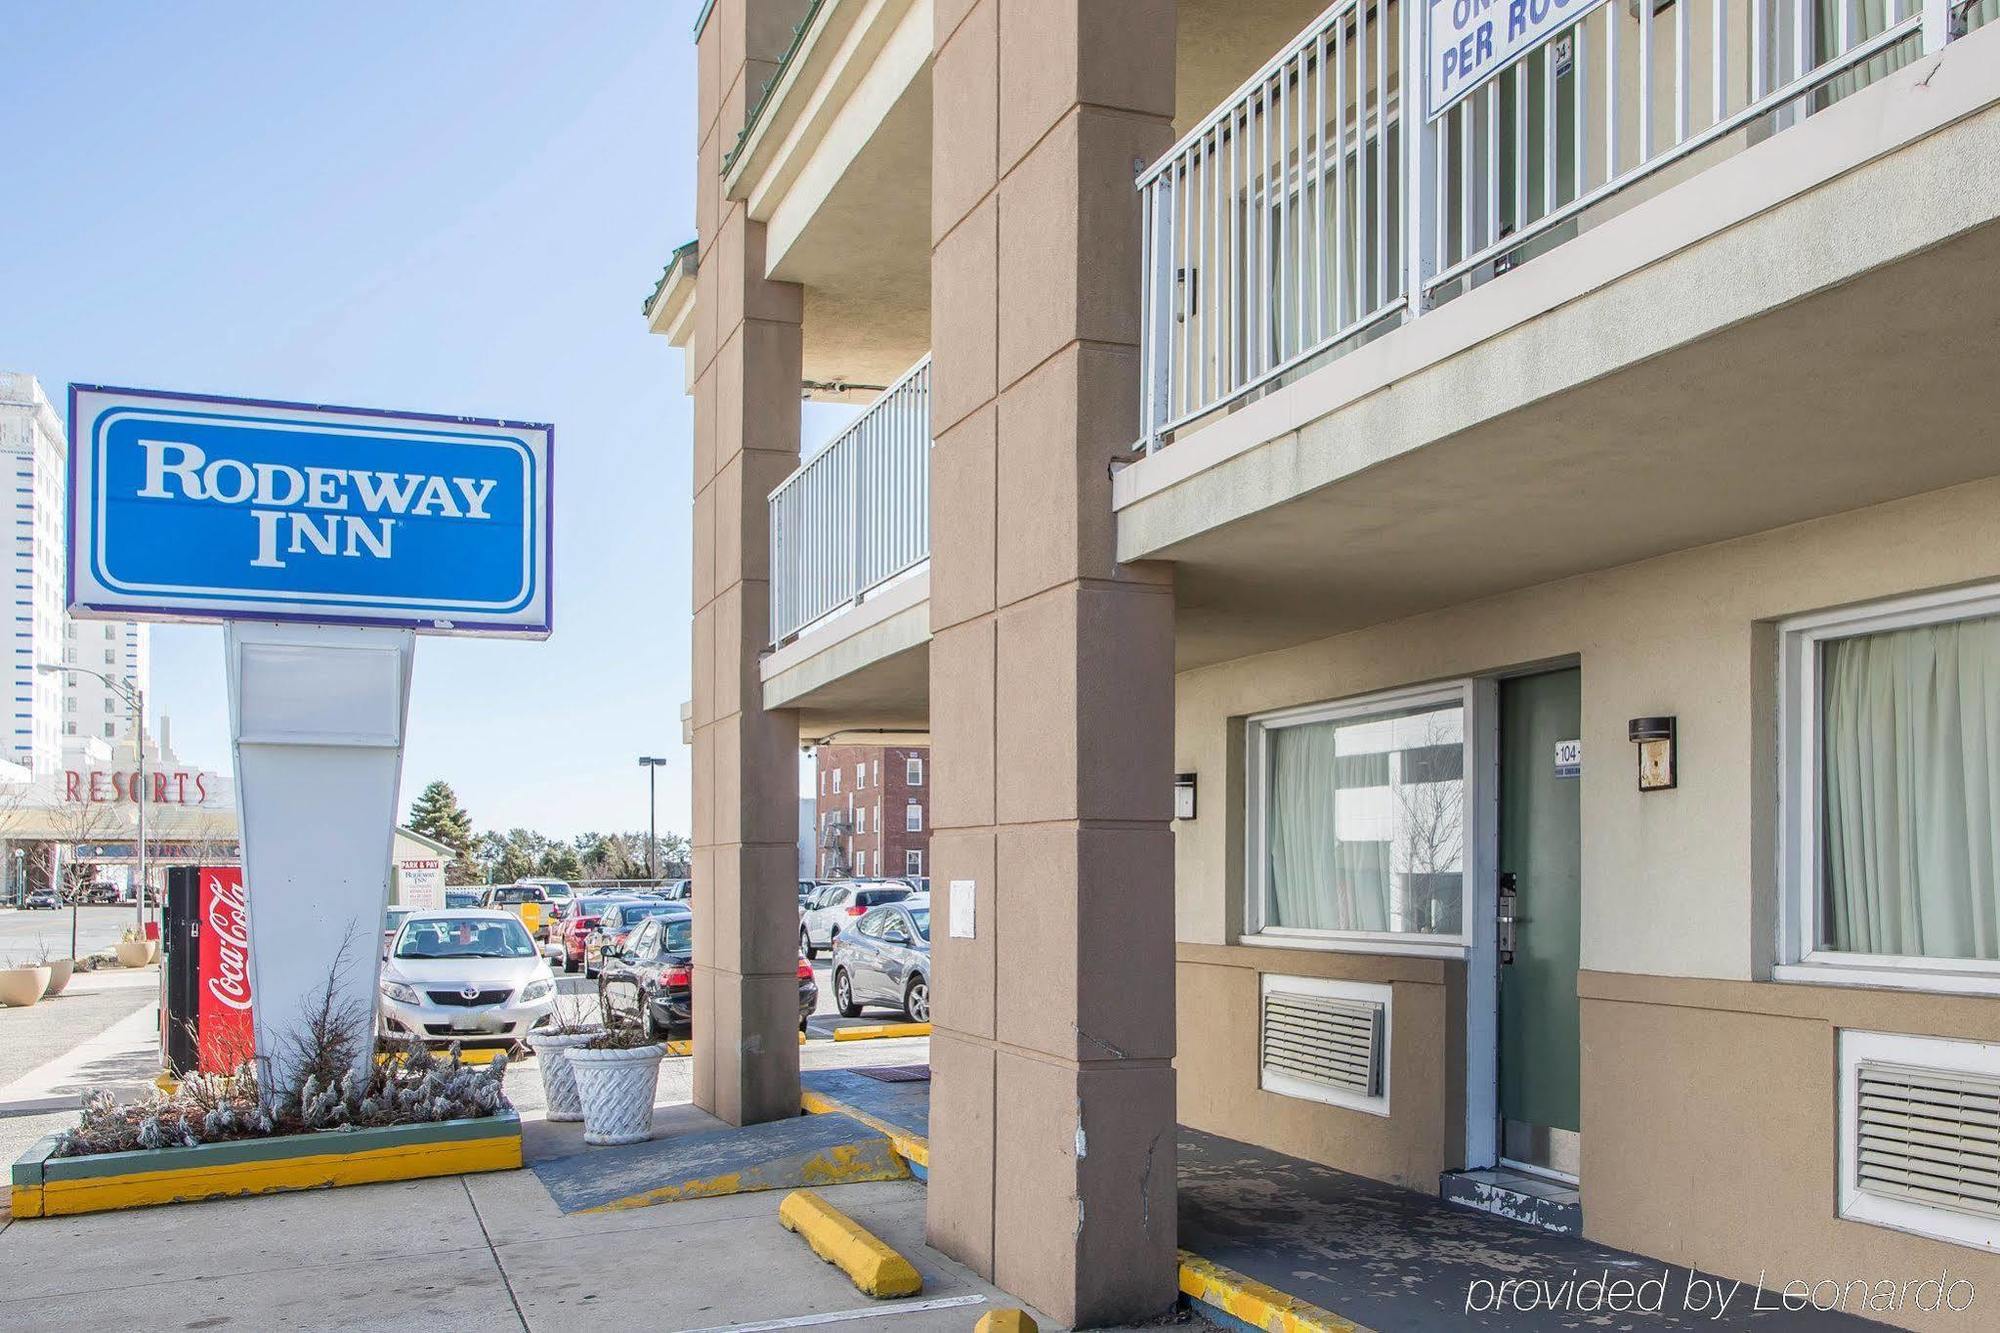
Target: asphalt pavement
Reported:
point(24, 935)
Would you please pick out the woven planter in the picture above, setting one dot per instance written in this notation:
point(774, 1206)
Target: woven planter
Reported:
point(60, 970)
point(558, 1079)
point(616, 1088)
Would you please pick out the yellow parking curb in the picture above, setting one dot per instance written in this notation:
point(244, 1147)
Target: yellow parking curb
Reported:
point(1006, 1321)
point(875, 1030)
point(873, 1267)
point(1255, 1304)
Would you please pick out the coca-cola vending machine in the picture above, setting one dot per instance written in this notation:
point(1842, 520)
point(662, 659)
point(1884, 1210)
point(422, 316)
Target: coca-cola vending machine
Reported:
point(206, 1017)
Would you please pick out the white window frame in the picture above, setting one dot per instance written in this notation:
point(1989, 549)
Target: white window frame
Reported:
point(913, 818)
point(913, 862)
point(1799, 957)
point(1859, 1205)
point(836, 781)
point(1474, 855)
point(913, 770)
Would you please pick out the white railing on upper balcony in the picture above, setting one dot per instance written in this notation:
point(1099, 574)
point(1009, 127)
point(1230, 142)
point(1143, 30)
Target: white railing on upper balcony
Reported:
point(1272, 231)
point(1315, 207)
point(858, 512)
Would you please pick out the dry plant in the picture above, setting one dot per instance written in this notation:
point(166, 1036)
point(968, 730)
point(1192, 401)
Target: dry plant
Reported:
point(334, 1086)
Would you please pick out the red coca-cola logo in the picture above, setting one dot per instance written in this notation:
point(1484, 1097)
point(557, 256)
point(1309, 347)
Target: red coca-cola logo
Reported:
point(229, 924)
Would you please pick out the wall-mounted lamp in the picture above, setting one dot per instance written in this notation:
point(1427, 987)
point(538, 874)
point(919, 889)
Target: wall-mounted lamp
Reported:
point(1183, 796)
point(1655, 738)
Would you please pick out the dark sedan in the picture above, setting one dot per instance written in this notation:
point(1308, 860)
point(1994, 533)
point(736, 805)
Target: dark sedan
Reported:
point(650, 981)
point(886, 959)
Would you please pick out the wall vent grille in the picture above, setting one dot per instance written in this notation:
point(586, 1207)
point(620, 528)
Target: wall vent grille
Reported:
point(1928, 1136)
point(1325, 1040)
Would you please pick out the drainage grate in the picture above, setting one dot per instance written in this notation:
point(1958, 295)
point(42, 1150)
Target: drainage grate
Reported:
point(898, 1074)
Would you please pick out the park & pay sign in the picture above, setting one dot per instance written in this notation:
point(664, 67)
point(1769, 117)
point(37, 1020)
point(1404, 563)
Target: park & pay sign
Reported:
point(1467, 42)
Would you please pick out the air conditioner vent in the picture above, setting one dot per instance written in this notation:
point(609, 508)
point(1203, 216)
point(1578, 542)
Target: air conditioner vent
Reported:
point(1325, 1040)
point(1928, 1136)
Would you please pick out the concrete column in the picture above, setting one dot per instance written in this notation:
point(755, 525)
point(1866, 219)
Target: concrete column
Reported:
point(1052, 1117)
point(746, 351)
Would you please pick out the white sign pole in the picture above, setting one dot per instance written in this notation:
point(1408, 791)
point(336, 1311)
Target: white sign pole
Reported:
point(317, 716)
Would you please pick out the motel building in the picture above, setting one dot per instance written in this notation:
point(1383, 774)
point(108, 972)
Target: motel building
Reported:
point(1456, 605)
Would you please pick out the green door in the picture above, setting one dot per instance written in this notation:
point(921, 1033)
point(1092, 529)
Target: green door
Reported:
point(1540, 847)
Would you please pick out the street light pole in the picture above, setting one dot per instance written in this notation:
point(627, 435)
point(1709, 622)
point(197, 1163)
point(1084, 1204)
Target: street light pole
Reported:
point(651, 764)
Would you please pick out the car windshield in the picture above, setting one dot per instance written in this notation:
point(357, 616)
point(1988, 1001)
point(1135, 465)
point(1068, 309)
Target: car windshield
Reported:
point(464, 937)
point(461, 897)
point(922, 916)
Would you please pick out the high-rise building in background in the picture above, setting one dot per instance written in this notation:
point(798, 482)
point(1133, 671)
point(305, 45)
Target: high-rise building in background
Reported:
point(31, 453)
point(118, 648)
point(45, 708)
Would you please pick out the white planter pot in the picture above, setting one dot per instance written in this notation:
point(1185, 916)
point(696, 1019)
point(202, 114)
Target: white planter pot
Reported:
point(133, 953)
point(558, 1079)
point(616, 1088)
point(59, 975)
point(22, 986)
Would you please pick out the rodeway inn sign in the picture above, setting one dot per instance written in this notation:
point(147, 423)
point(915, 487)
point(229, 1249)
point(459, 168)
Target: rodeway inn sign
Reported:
point(229, 509)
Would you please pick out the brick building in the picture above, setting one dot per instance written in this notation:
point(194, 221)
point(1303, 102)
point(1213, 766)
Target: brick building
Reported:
point(874, 816)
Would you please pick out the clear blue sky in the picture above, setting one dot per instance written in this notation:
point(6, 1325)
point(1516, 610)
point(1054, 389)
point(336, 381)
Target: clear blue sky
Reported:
point(446, 206)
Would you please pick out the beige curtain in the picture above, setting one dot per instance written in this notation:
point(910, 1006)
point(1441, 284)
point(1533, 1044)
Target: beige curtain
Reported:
point(1317, 881)
point(1910, 749)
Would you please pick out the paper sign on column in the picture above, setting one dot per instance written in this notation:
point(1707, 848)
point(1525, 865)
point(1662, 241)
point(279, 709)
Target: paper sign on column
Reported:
point(962, 909)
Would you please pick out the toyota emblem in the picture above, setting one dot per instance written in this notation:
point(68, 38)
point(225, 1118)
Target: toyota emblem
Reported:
point(468, 992)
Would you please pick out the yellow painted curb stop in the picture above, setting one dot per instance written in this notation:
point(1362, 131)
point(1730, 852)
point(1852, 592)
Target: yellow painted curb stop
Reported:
point(874, 1268)
point(1006, 1321)
point(875, 1030)
point(1255, 1304)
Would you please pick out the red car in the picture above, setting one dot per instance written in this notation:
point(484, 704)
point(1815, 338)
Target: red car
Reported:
point(577, 923)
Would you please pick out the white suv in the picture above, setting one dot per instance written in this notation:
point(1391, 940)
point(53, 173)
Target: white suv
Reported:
point(836, 906)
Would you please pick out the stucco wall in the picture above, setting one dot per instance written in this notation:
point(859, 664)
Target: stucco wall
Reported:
point(1678, 883)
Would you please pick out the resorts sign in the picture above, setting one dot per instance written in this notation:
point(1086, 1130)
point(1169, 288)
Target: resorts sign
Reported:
point(214, 509)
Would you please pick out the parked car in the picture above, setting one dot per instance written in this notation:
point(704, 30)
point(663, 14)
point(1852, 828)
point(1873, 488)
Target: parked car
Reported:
point(561, 895)
point(392, 921)
point(530, 902)
point(886, 959)
point(838, 906)
point(677, 890)
point(101, 893)
point(457, 898)
point(615, 922)
point(471, 976)
point(582, 919)
point(650, 981)
point(807, 887)
point(40, 900)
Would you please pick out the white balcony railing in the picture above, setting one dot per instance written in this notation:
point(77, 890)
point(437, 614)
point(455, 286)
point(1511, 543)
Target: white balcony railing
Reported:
point(857, 513)
point(1316, 206)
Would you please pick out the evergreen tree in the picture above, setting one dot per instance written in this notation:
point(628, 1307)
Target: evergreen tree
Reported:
point(437, 814)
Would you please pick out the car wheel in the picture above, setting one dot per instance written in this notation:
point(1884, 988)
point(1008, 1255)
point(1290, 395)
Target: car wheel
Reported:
point(843, 995)
point(568, 966)
point(806, 944)
point(917, 1000)
point(646, 1022)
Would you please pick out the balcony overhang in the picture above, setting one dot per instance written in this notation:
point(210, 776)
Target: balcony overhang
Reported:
point(1797, 330)
point(866, 667)
point(836, 164)
point(669, 311)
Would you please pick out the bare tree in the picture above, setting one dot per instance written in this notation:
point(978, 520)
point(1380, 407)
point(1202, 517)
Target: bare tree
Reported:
point(1430, 800)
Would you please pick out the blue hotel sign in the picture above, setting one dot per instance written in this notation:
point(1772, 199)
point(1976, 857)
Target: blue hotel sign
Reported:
point(195, 508)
